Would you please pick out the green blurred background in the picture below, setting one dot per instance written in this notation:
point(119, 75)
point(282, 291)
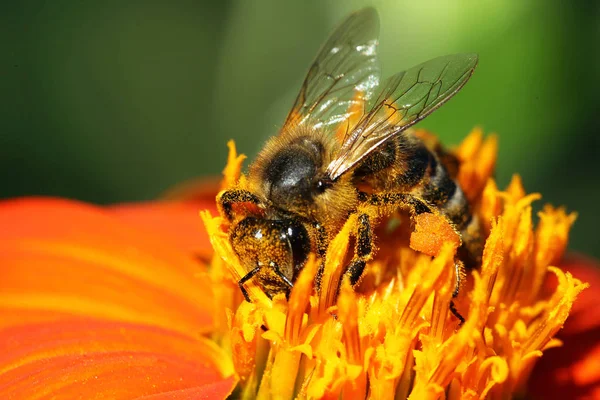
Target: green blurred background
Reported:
point(119, 100)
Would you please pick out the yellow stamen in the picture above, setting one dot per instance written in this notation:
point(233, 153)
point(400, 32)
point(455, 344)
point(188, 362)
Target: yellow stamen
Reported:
point(233, 169)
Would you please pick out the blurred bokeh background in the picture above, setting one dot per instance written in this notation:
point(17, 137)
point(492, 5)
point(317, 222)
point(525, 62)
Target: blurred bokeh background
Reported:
point(118, 100)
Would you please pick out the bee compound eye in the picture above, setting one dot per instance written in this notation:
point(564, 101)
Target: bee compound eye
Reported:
point(320, 186)
point(323, 184)
point(299, 241)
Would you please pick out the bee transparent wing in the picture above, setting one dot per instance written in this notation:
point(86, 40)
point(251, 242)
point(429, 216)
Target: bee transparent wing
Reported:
point(402, 101)
point(346, 63)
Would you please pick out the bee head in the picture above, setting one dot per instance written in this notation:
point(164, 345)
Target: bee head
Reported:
point(292, 176)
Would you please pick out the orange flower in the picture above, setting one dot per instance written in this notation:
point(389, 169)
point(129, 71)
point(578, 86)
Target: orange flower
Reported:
point(129, 302)
point(94, 305)
point(572, 371)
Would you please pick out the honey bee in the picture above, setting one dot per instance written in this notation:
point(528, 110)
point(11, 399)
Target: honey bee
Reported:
point(345, 143)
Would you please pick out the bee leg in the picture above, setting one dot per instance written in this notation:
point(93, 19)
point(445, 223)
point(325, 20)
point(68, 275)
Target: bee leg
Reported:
point(415, 204)
point(456, 313)
point(253, 272)
point(458, 270)
point(230, 197)
point(363, 249)
point(321, 244)
point(245, 279)
point(284, 278)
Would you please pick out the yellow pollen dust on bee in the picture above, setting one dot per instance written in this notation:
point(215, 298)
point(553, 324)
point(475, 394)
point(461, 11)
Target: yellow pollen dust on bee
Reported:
point(392, 336)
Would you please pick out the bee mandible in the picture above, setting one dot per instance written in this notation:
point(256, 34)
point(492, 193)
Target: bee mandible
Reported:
point(346, 143)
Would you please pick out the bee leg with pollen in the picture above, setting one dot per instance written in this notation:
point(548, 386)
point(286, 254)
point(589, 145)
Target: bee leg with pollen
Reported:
point(363, 249)
point(321, 247)
point(228, 198)
point(415, 206)
point(363, 252)
point(413, 203)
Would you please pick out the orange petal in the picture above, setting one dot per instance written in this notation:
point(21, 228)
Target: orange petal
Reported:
point(97, 359)
point(61, 258)
point(573, 370)
point(179, 222)
point(214, 391)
